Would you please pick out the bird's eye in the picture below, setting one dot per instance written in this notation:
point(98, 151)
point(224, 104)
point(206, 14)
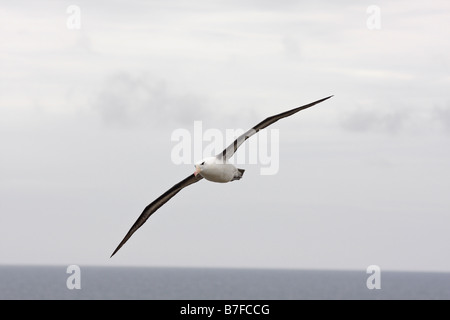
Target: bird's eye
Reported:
point(203, 163)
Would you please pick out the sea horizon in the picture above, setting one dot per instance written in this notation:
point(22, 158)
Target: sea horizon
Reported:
point(91, 282)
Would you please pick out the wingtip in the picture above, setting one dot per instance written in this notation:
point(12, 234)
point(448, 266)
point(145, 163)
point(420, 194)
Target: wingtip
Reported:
point(117, 249)
point(322, 100)
point(318, 101)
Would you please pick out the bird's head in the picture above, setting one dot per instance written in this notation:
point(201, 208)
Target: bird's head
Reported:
point(203, 164)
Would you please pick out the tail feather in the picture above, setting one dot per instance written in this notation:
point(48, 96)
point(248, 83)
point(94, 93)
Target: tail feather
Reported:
point(238, 175)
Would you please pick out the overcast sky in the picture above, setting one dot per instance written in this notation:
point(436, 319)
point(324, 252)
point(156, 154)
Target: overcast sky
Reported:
point(87, 114)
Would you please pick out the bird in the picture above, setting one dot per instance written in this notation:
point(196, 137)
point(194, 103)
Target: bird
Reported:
point(214, 169)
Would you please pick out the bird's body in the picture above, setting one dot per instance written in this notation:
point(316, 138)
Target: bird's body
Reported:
point(218, 170)
point(214, 169)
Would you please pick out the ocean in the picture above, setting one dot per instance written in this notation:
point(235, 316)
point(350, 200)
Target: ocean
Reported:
point(53, 282)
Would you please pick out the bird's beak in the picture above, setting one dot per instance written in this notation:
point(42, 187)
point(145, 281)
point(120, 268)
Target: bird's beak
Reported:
point(197, 170)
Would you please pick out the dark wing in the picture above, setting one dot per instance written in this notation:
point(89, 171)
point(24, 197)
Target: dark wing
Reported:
point(155, 205)
point(231, 149)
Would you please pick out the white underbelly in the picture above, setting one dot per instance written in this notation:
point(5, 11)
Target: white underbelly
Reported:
point(219, 172)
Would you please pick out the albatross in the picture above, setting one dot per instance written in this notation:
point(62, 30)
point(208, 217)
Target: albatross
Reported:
point(215, 169)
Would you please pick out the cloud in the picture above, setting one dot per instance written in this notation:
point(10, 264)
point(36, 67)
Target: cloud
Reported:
point(133, 99)
point(442, 116)
point(371, 120)
point(420, 119)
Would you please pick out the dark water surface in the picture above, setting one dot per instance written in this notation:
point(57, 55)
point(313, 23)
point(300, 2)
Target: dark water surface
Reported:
point(50, 282)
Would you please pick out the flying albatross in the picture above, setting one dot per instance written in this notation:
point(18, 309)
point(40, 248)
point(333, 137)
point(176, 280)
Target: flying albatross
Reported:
point(216, 169)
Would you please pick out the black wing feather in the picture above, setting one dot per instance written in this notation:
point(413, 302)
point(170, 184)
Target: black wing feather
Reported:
point(231, 149)
point(155, 205)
